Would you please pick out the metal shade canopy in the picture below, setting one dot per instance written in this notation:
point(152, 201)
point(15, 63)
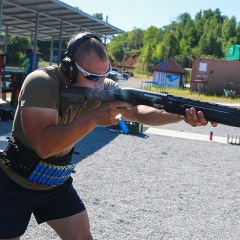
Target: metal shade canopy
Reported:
point(49, 19)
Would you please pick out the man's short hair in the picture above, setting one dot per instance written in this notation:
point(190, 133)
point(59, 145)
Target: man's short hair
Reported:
point(87, 46)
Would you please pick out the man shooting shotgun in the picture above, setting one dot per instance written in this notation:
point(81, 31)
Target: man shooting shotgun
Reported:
point(37, 161)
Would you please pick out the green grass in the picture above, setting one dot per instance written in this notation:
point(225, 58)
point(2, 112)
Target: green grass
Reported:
point(202, 97)
point(187, 94)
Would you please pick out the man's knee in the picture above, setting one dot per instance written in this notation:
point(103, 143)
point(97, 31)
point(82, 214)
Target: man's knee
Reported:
point(73, 227)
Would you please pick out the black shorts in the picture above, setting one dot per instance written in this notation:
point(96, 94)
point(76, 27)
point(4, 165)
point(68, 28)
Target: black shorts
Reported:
point(18, 203)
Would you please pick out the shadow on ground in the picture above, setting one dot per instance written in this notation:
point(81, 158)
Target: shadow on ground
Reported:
point(94, 141)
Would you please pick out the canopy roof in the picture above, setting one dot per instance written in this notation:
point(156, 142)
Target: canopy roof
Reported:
point(20, 17)
point(173, 66)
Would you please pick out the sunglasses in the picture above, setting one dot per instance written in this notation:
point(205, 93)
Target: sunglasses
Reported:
point(92, 76)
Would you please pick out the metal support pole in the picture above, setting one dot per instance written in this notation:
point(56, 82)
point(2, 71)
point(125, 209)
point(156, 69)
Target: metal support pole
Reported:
point(31, 37)
point(51, 52)
point(1, 6)
point(35, 41)
point(5, 46)
point(60, 44)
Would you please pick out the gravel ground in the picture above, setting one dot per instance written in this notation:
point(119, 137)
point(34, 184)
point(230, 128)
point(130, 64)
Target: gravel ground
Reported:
point(155, 187)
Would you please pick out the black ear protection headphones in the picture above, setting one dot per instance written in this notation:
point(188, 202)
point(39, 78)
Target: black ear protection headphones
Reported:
point(68, 67)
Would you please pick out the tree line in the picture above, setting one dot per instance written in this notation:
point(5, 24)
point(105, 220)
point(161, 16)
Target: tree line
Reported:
point(208, 35)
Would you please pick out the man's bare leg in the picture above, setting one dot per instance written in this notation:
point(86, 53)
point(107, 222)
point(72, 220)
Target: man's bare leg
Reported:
point(76, 227)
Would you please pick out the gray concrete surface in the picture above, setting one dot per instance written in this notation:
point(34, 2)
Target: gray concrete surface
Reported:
point(156, 187)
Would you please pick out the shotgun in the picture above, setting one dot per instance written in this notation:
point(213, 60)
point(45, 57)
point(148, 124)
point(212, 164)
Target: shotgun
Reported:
point(71, 95)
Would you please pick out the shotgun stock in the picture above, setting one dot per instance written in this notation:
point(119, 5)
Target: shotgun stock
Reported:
point(213, 112)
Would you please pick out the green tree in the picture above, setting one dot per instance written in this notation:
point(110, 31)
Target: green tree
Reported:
point(117, 47)
point(17, 46)
point(238, 34)
point(152, 36)
point(199, 24)
point(209, 34)
point(98, 15)
point(229, 33)
point(134, 39)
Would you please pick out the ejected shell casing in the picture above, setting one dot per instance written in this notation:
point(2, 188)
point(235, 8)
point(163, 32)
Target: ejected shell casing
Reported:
point(211, 136)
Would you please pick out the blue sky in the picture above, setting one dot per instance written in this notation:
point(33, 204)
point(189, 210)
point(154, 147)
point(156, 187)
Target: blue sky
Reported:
point(127, 14)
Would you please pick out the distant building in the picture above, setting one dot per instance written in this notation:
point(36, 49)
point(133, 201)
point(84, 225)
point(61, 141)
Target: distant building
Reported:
point(174, 74)
point(212, 76)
